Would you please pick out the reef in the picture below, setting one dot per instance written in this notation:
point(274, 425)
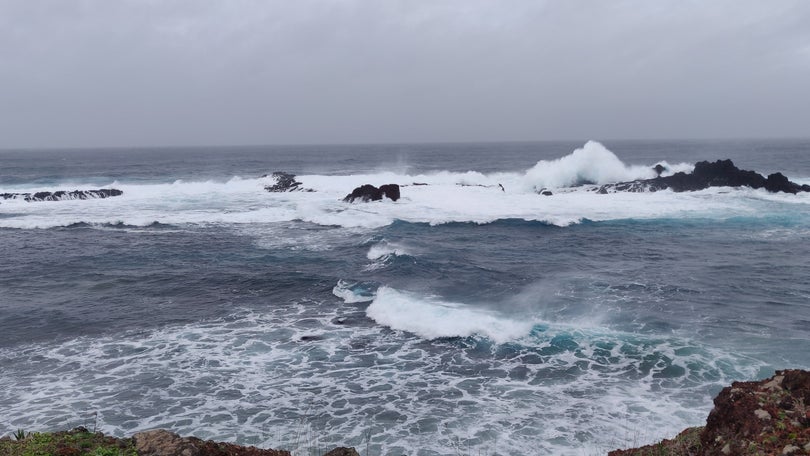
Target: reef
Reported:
point(62, 195)
point(721, 173)
point(765, 417)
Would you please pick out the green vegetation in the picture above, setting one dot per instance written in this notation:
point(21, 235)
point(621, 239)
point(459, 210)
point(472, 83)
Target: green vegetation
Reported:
point(77, 442)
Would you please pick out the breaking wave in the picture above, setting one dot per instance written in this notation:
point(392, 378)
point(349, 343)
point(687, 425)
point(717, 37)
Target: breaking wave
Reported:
point(432, 318)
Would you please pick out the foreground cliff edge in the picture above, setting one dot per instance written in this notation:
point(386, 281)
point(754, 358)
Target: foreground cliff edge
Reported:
point(768, 417)
point(156, 442)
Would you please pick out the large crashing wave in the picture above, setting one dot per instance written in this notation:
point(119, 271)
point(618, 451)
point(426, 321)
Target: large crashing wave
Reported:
point(593, 163)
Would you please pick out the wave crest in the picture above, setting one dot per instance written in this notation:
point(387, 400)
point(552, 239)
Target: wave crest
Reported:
point(593, 163)
point(433, 319)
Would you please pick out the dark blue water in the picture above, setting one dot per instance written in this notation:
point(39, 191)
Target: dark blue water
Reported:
point(458, 319)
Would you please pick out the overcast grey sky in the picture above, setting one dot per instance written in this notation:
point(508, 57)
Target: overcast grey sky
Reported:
point(209, 72)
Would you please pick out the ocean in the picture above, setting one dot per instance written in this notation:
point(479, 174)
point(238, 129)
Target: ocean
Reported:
point(461, 319)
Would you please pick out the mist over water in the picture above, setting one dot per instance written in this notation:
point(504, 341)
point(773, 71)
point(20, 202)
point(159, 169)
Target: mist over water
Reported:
point(461, 316)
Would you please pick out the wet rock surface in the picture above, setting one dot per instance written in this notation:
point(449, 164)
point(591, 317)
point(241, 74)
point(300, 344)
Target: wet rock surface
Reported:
point(369, 192)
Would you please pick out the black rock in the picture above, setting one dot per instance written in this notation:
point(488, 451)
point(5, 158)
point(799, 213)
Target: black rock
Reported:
point(659, 168)
point(777, 182)
point(369, 192)
point(62, 195)
point(721, 173)
point(390, 191)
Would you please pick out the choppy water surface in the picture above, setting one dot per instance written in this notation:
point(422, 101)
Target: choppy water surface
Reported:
point(459, 319)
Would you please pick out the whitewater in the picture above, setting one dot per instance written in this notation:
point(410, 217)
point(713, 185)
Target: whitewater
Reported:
point(473, 315)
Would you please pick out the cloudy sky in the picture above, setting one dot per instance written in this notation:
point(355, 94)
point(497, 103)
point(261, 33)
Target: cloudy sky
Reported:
point(79, 73)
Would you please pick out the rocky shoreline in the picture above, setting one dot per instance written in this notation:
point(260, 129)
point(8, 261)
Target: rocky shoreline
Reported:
point(768, 417)
point(158, 442)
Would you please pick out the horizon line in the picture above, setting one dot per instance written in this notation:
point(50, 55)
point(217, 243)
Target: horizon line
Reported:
point(392, 143)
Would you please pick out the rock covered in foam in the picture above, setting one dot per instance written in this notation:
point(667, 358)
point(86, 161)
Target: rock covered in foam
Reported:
point(285, 182)
point(63, 195)
point(771, 416)
point(721, 173)
point(369, 192)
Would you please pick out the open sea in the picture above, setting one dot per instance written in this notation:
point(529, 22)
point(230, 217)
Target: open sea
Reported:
point(461, 319)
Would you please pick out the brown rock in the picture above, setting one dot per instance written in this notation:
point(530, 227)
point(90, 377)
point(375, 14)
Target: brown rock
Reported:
point(160, 442)
point(771, 416)
point(211, 448)
point(343, 451)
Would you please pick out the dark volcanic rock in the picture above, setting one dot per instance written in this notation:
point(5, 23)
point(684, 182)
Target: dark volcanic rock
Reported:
point(369, 192)
point(721, 173)
point(285, 182)
point(390, 191)
point(62, 195)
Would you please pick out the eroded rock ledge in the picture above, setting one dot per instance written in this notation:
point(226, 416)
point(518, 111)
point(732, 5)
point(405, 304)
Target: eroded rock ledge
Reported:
point(768, 417)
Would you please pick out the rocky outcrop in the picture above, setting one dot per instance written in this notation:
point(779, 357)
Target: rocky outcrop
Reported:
point(722, 173)
point(160, 442)
point(765, 416)
point(62, 195)
point(285, 182)
point(771, 416)
point(369, 192)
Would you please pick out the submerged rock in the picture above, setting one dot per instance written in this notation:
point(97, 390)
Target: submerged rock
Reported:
point(369, 192)
point(721, 173)
point(63, 195)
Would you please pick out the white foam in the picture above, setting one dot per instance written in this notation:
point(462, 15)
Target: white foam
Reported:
point(593, 163)
point(432, 318)
point(349, 293)
point(384, 249)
